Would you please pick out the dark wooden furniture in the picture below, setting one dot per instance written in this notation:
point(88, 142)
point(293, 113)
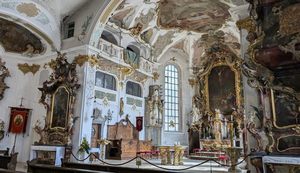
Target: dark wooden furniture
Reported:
point(125, 141)
point(42, 168)
point(116, 169)
point(8, 162)
point(4, 152)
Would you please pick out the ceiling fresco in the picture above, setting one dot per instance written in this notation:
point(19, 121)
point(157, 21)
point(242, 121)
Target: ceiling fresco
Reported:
point(192, 15)
point(17, 39)
point(164, 24)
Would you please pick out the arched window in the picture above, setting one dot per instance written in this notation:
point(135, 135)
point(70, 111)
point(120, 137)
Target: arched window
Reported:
point(133, 89)
point(105, 81)
point(171, 98)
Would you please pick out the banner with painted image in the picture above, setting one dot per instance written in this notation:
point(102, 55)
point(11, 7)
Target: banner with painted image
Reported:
point(139, 123)
point(18, 120)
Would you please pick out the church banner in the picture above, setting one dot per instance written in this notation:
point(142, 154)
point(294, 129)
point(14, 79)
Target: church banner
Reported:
point(139, 123)
point(18, 120)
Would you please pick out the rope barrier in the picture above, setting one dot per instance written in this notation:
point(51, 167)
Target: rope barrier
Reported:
point(157, 166)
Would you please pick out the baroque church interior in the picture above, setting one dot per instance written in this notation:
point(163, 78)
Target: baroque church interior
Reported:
point(150, 86)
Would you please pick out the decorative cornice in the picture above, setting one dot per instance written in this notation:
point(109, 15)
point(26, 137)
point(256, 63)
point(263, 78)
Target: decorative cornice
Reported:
point(26, 68)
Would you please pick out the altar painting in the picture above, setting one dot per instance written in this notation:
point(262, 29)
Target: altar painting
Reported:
point(60, 103)
point(221, 89)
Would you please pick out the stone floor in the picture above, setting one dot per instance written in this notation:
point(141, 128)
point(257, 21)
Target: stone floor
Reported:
point(209, 167)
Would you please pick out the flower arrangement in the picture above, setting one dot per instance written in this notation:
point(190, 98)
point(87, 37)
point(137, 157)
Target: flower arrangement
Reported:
point(84, 146)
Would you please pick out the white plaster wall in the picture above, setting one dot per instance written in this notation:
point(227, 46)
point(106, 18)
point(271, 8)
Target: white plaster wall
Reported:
point(25, 86)
point(80, 18)
point(168, 138)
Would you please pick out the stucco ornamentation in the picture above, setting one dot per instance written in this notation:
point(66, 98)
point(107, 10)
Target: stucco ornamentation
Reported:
point(26, 68)
point(3, 74)
point(29, 9)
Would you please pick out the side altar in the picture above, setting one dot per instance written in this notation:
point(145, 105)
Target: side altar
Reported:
point(58, 97)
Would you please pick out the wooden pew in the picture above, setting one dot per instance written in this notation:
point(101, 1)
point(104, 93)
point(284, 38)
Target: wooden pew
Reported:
point(8, 162)
point(116, 169)
point(42, 168)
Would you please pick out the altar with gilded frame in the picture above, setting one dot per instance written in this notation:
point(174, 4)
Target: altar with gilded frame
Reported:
point(218, 105)
point(58, 97)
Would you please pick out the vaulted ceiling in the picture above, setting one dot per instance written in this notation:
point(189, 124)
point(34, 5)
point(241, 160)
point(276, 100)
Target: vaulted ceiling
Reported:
point(176, 24)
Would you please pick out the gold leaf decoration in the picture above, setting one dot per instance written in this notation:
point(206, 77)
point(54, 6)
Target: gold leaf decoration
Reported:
point(81, 59)
point(192, 82)
point(26, 68)
point(247, 24)
point(155, 76)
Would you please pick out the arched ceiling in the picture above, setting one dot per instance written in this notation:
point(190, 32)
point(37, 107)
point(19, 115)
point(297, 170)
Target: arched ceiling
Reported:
point(178, 24)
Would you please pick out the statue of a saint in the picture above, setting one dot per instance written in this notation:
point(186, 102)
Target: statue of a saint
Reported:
point(218, 124)
point(195, 113)
point(155, 109)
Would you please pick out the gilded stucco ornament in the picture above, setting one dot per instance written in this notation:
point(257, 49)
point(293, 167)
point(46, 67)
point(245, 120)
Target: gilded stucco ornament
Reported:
point(217, 54)
point(91, 59)
point(125, 72)
point(26, 68)
point(3, 74)
point(192, 82)
point(247, 24)
point(58, 97)
point(155, 76)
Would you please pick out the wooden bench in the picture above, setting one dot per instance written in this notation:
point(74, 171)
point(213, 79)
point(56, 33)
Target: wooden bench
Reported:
point(116, 169)
point(8, 162)
point(38, 168)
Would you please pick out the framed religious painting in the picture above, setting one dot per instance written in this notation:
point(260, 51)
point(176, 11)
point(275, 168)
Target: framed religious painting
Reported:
point(284, 110)
point(60, 108)
point(286, 123)
point(222, 89)
point(58, 97)
point(18, 120)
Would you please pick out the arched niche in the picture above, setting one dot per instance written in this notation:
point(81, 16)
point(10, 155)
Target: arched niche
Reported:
point(107, 36)
point(132, 56)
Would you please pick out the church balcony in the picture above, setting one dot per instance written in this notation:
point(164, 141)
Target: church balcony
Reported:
point(114, 53)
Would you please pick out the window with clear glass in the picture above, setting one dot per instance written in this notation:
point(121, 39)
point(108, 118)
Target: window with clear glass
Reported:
point(133, 89)
point(70, 30)
point(171, 98)
point(104, 80)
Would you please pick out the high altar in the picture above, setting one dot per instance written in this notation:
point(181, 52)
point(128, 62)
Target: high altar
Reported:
point(217, 114)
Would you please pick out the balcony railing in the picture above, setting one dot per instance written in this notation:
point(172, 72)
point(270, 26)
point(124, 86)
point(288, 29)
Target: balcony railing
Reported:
point(110, 49)
point(116, 52)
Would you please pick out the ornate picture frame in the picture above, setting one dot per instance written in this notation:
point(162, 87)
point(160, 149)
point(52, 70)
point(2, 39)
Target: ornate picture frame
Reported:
point(228, 94)
point(60, 89)
point(284, 111)
point(231, 63)
point(60, 108)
